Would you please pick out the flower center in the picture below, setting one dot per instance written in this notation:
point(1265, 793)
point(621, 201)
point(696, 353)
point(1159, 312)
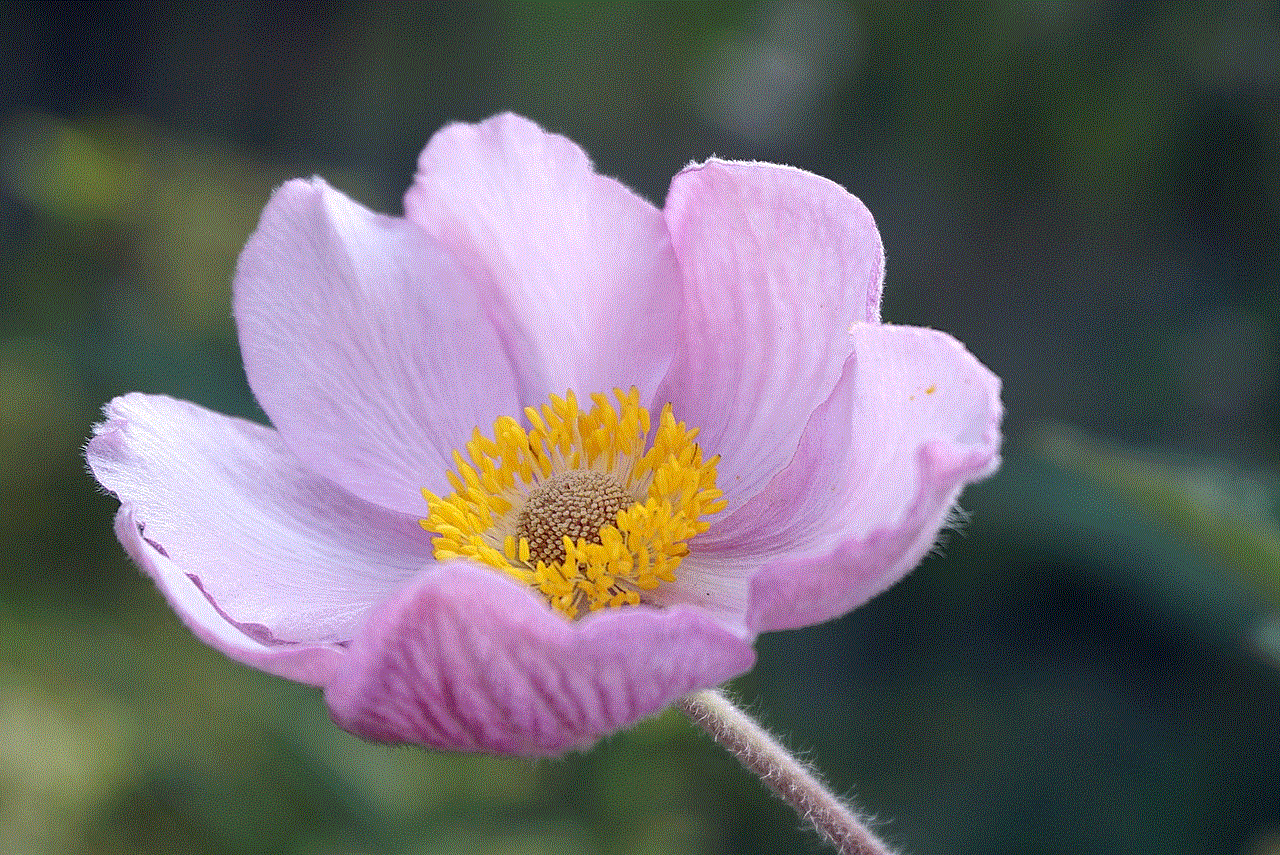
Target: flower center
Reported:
point(573, 504)
point(582, 507)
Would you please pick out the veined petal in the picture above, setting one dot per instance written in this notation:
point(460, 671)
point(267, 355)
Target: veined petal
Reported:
point(465, 659)
point(913, 420)
point(712, 581)
point(310, 663)
point(366, 344)
point(284, 555)
point(579, 270)
point(778, 263)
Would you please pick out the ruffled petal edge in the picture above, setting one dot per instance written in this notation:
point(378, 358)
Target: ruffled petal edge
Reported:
point(914, 419)
point(313, 664)
point(286, 555)
point(465, 659)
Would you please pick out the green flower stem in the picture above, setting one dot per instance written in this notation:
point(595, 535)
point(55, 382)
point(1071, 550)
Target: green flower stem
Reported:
point(781, 772)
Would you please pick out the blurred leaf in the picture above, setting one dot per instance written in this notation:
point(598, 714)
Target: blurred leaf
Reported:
point(1226, 512)
point(63, 753)
point(1267, 637)
point(1195, 538)
point(40, 395)
point(183, 206)
point(71, 173)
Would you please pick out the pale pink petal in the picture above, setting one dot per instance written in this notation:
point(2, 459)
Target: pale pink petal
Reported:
point(778, 263)
point(282, 554)
point(313, 664)
point(463, 658)
point(913, 420)
point(366, 345)
point(716, 583)
point(580, 269)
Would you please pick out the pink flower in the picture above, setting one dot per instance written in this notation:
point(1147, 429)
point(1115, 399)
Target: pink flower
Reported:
point(829, 448)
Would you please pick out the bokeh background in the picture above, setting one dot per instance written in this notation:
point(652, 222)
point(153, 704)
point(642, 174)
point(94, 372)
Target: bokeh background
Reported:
point(1087, 194)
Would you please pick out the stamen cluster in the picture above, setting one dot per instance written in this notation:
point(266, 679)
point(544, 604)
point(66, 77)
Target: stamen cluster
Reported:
point(580, 506)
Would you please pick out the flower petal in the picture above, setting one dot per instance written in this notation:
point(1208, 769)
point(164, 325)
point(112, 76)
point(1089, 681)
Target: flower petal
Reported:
point(366, 345)
point(580, 270)
point(282, 554)
point(777, 263)
point(712, 582)
point(313, 664)
point(465, 659)
point(914, 418)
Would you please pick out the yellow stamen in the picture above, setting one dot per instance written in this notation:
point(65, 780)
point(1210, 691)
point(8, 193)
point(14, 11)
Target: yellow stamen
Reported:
point(580, 506)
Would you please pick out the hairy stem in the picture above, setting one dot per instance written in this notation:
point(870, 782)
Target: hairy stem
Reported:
point(781, 772)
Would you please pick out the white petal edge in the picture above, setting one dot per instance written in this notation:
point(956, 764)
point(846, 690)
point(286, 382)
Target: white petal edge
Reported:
point(313, 664)
point(282, 553)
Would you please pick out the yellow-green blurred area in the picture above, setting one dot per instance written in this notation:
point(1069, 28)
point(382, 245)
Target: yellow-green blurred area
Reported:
point(1086, 194)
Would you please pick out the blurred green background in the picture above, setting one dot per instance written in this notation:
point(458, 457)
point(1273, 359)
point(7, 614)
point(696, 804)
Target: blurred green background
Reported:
point(1087, 194)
